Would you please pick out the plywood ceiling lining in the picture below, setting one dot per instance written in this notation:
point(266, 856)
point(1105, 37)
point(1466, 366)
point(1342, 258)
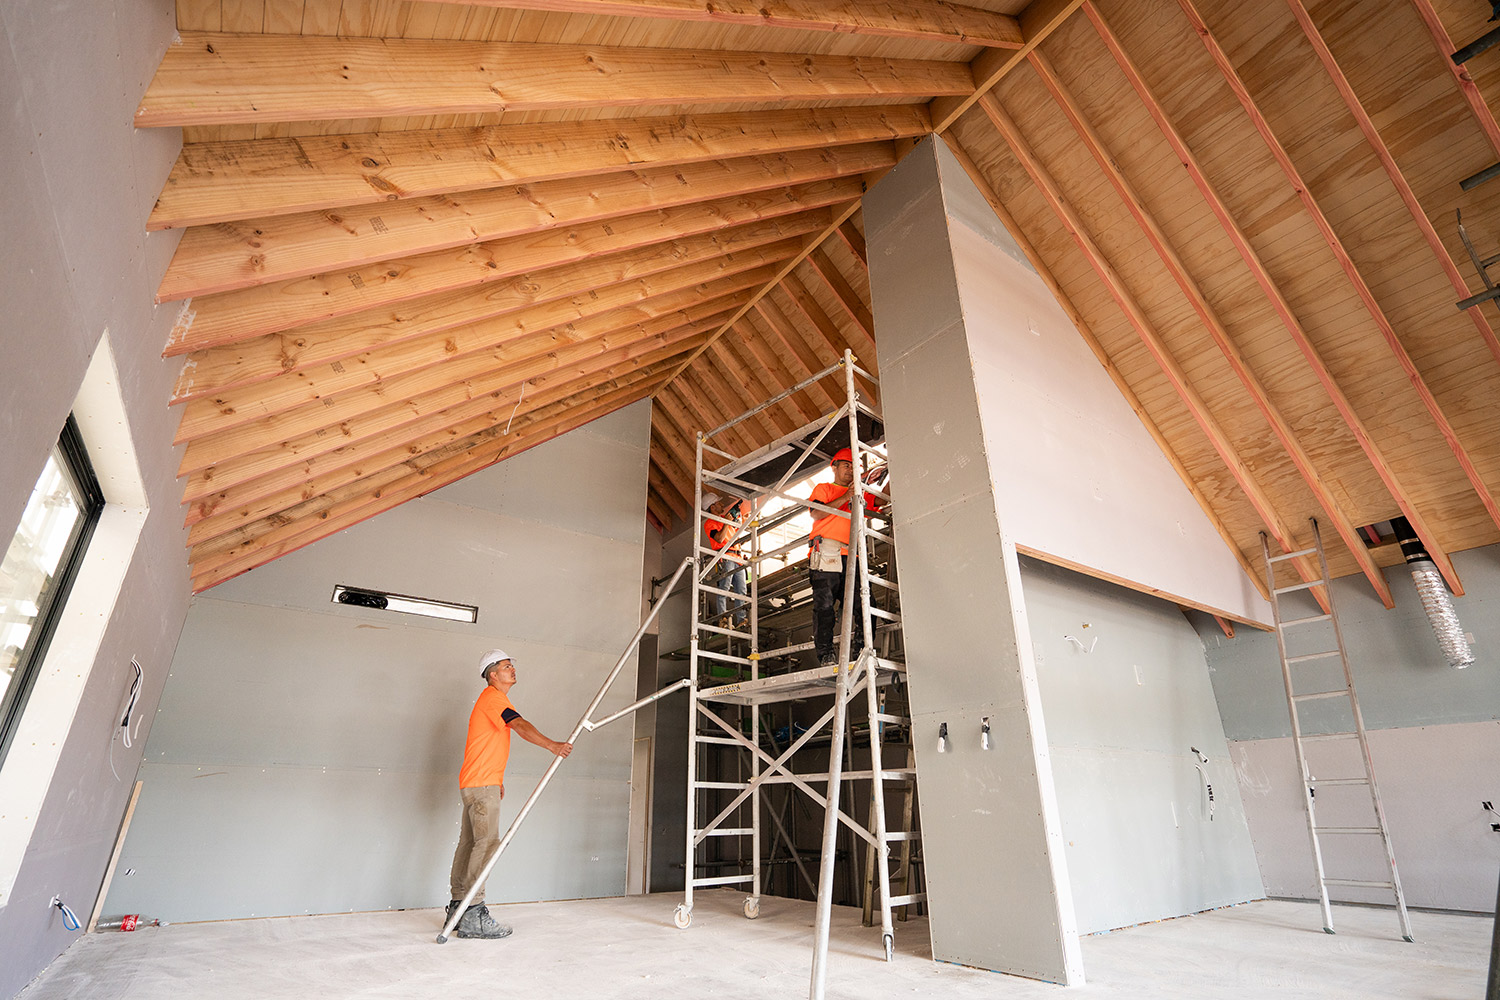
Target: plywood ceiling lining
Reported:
point(423, 237)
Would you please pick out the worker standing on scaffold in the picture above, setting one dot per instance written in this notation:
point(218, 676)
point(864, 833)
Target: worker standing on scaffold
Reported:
point(828, 559)
point(718, 533)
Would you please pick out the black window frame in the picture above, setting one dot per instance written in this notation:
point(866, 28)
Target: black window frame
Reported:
point(50, 608)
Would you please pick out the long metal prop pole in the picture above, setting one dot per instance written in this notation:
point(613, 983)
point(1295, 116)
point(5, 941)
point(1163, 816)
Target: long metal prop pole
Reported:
point(556, 761)
point(835, 752)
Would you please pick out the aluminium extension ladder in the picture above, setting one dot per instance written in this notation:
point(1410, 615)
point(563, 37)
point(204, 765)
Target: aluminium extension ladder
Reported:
point(1310, 783)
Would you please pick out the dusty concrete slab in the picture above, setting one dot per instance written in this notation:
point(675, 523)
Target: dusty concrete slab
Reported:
point(627, 948)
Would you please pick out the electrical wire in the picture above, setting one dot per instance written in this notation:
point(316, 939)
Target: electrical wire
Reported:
point(127, 738)
point(1207, 788)
point(70, 919)
point(516, 407)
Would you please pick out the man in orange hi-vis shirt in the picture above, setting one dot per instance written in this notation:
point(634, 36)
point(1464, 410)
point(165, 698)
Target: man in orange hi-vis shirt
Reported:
point(481, 783)
point(828, 557)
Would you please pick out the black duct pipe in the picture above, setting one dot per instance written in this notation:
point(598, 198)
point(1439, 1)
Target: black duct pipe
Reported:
point(1434, 594)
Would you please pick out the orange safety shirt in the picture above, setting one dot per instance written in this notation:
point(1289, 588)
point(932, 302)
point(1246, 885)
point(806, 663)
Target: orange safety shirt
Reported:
point(488, 746)
point(833, 526)
point(711, 530)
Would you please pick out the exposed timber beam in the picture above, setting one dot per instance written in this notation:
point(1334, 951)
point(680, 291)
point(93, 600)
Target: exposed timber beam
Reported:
point(1115, 376)
point(1392, 170)
point(224, 181)
point(929, 20)
point(830, 388)
point(544, 297)
point(855, 241)
point(283, 305)
point(767, 358)
point(844, 294)
point(260, 251)
point(225, 438)
point(721, 357)
point(357, 508)
point(1038, 20)
point(222, 79)
point(1441, 41)
point(235, 506)
point(1274, 295)
point(1175, 266)
point(829, 332)
point(1196, 406)
point(1366, 296)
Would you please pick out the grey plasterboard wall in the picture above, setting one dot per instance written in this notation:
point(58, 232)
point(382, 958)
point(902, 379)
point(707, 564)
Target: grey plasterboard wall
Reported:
point(76, 261)
point(968, 655)
point(306, 757)
point(1433, 738)
point(1126, 699)
point(669, 749)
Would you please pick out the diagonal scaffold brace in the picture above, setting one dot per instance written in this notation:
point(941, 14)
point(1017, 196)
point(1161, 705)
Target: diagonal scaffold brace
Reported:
point(584, 723)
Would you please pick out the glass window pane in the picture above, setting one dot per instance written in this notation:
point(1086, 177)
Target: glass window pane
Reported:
point(36, 554)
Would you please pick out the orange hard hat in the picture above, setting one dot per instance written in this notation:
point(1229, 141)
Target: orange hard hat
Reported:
point(842, 455)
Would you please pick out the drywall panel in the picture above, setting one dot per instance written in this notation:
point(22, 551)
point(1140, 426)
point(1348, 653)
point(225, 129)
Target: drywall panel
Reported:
point(1127, 697)
point(965, 631)
point(1076, 461)
point(1433, 783)
point(308, 753)
point(76, 266)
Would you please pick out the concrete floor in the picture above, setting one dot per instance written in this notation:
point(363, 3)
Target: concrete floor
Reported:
point(628, 948)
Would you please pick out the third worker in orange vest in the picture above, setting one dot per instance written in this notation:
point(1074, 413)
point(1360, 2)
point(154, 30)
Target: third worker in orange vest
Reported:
point(828, 559)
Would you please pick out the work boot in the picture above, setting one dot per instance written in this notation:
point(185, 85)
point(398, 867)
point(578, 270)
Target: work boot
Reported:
point(827, 659)
point(453, 904)
point(477, 923)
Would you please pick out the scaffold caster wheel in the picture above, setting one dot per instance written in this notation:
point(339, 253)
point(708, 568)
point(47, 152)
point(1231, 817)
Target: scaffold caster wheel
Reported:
point(682, 916)
point(752, 907)
point(890, 947)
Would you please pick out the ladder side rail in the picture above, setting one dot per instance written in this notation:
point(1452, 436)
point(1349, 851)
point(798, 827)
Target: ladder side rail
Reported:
point(685, 910)
point(1302, 770)
point(1364, 743)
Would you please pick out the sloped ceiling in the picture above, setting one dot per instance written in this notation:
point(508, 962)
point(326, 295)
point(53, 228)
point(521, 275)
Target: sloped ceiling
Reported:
point(423, 237)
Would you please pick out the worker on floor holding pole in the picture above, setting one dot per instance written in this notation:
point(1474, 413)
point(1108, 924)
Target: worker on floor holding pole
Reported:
point(481, 784)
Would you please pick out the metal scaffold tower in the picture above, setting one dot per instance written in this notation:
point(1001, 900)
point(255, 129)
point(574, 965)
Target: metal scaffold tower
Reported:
point(726, 715)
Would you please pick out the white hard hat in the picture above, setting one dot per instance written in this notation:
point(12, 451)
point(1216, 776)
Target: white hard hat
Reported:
point(489, 659)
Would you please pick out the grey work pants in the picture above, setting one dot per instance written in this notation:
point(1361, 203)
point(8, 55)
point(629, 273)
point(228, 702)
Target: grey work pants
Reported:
point(478, 837)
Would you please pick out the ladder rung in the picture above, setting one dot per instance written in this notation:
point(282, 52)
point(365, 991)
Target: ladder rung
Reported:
point(895, 838)
point(906, 900)
point(737, 831)
point(877, 613)
point(871, 533)
point(1306, 621)
point(728, 741)
point(1293, 555)
point(899, 773)
point(706, 627)
point(1329, 736)
point(1312, 656)
point(899, 720)
point(1321, 694)
point(1346, 829)
point(722, 880)
point(1339, 781)
point(1298, 586)
point(721, 784)
point(1361, 883)
point(883, 582)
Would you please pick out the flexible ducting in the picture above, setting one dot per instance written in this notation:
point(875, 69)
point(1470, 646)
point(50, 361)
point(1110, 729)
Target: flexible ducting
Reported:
point(1434, 594)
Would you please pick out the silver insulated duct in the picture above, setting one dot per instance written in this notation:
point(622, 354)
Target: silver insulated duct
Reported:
point(1434, 594)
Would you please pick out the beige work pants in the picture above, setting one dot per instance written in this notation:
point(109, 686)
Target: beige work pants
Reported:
point(478, 836)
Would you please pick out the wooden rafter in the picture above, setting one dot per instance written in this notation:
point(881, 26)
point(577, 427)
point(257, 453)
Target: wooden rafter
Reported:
point(224, 181)
point(1441, 41)
point(1392, 170)
point(283, 305)
point(1175, 266)
point(1115, 375)
point(1196, 406)
point(238, 255)
point(1274, 295)
point(1366, 296)
point(532, 301)
point(929, 20)
point(845, 295)
point(1038, 20)
point(214, 78)
point(800, 302)
point(766, 357)
point(855, 241)
point(829, 391)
